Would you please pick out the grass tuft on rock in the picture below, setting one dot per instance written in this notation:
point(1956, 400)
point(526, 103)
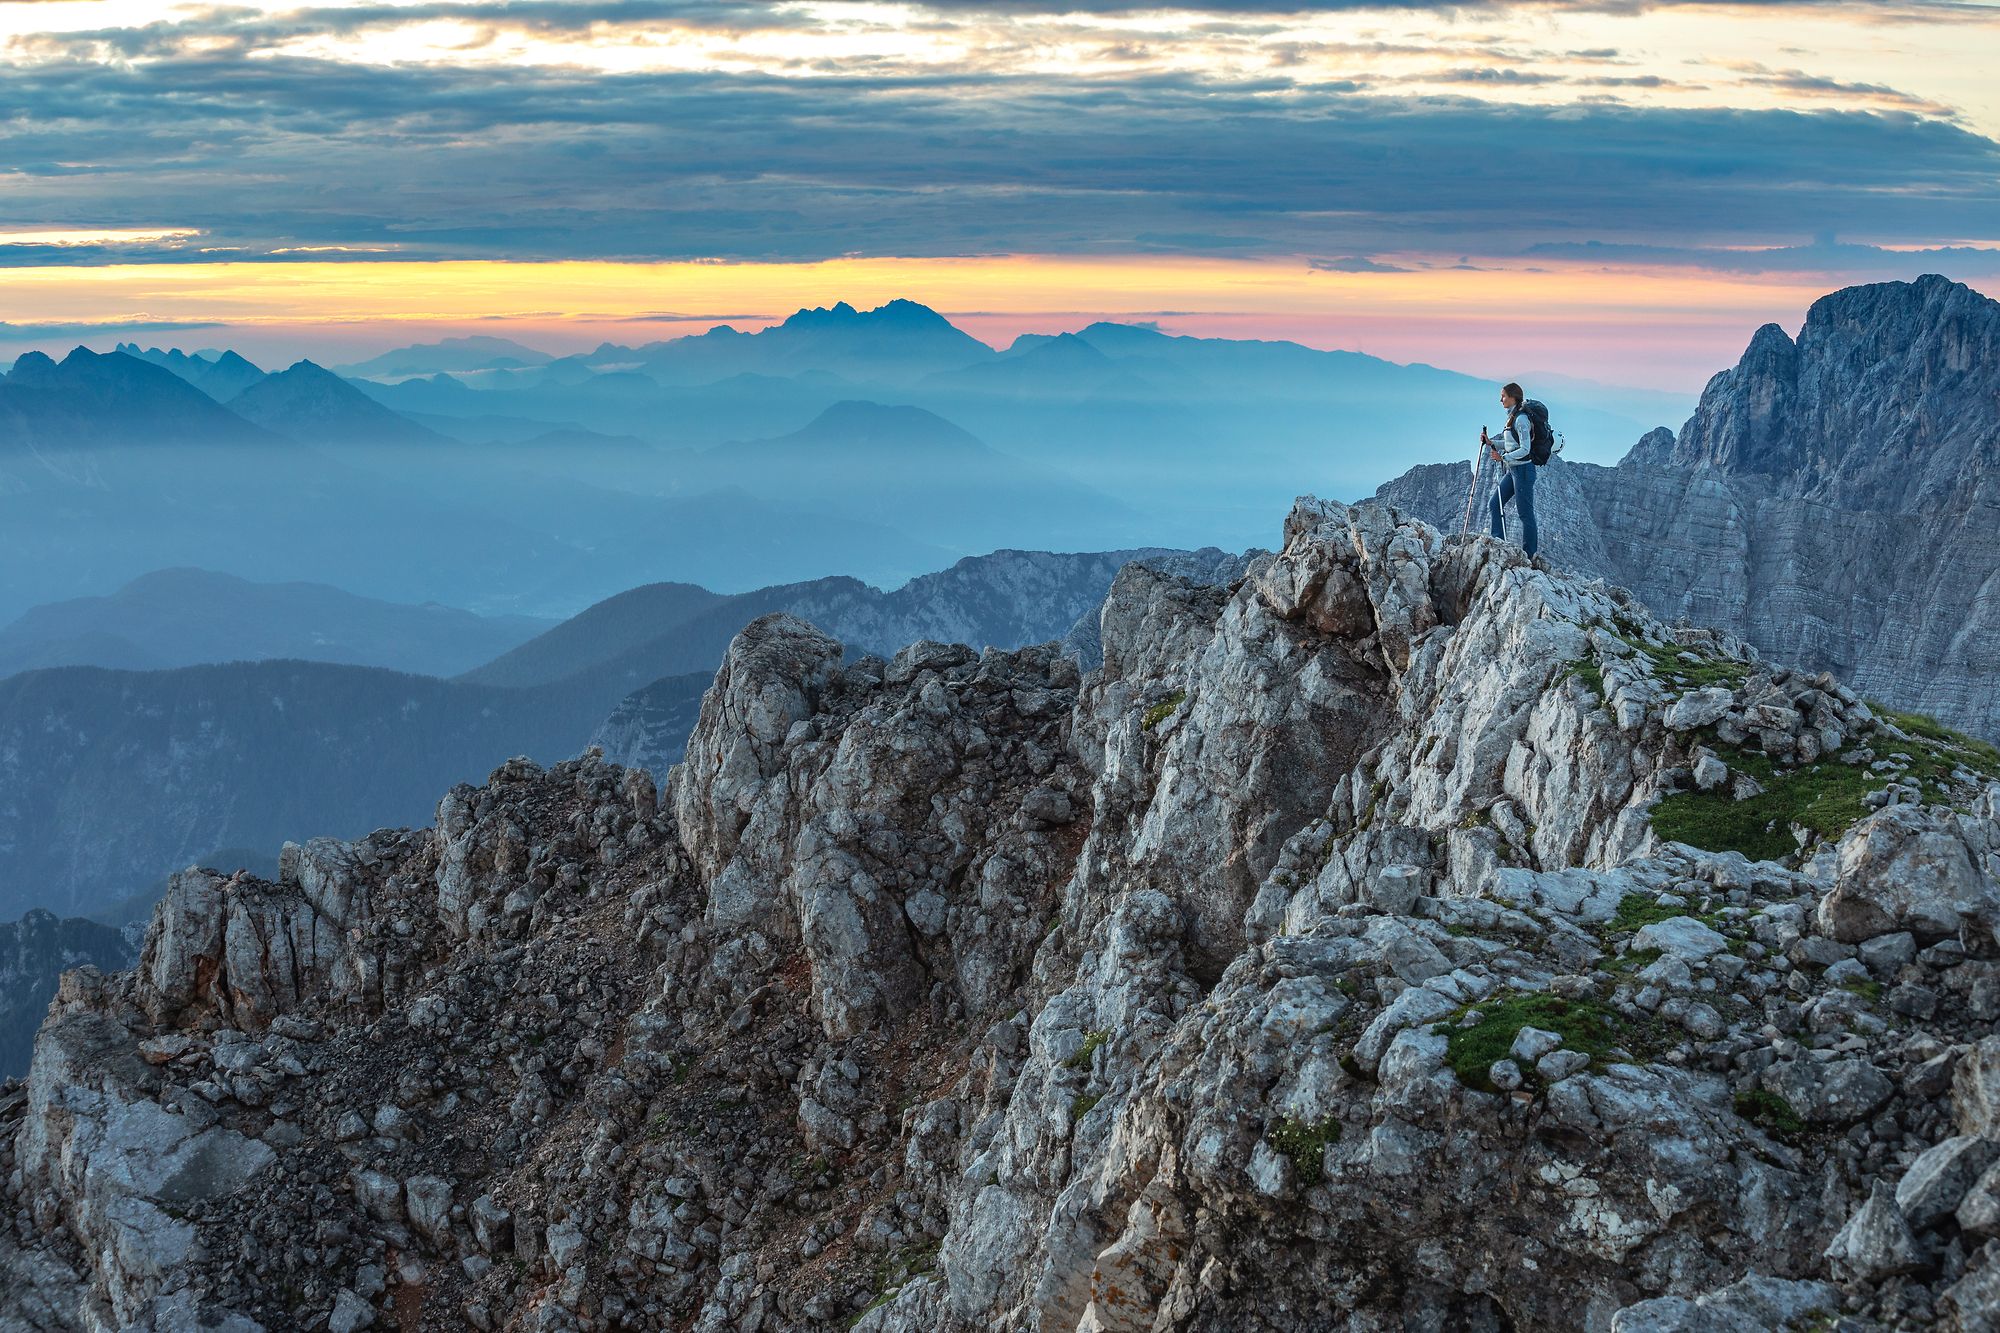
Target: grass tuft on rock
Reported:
point(1670, 669)
point(1637, 910)
point(1162, 710)
point(1827, 797)
point(1771, 1112)
point(1305, 1143)
point(1583, 1025)
point(1080, 1058)
point(1943, 746)
point(1591, 674)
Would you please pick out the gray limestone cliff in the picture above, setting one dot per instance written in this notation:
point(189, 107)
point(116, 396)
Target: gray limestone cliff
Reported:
point(1835, 500)
point(1393, 934)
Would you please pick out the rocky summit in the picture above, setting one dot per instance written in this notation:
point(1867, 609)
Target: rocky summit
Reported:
point(1394, 935)
point(1831, 500)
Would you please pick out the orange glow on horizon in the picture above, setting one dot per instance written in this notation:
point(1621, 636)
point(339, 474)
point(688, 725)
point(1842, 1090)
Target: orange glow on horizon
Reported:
point(1667, 328)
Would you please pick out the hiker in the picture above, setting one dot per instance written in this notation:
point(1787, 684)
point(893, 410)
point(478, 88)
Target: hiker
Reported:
point(1520, 450)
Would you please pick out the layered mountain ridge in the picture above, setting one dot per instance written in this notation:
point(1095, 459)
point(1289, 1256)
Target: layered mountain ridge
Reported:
point(1832, 500)
point(1369, 941)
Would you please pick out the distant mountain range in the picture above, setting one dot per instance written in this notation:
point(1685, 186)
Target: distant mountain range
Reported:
point(88, 401)
point(911, 470)
point(312, 404)
point(1834, 499)
point(478, 352)
point(879, 442)
point(325, 485)
point(111, 779)
point(1201, 436)
point(186, 617)
point(220, 375)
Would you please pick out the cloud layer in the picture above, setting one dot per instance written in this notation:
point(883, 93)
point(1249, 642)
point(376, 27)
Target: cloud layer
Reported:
point(809, 131)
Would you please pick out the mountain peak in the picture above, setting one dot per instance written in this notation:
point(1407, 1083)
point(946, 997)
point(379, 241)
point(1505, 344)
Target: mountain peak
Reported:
point(1884, 397)
point(32, 368)
point(897, 311)
point(310, 403)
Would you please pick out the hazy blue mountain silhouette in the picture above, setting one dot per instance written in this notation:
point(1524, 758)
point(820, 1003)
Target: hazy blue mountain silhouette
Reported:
point(220, 375)
point(895, 342)
point(112, 779)
point(310, 403)
point(92, 399)
point(477, 352)
point(908, 467)
point(183, 617)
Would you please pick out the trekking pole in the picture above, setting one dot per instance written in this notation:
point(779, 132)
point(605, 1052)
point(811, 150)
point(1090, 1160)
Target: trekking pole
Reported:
point(1478, 470)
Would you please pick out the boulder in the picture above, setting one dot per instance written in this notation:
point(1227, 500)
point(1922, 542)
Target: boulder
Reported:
point(1877, 1242)
point(1907, 868)
point(1832, 1092)
point(1936, 1182)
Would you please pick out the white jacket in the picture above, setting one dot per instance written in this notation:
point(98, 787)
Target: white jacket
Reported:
point(1514, 452)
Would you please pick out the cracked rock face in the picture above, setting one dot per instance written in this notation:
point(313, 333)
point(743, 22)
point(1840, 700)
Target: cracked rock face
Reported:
point(1313, 962)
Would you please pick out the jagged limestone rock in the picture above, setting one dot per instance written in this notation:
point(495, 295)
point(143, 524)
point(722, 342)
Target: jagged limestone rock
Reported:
point(1314, 962)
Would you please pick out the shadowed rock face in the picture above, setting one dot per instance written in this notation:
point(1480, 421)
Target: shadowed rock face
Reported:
point(1832, 500)
point(1315, 962)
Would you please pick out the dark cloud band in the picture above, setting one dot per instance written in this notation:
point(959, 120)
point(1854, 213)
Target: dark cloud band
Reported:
point(281, 157)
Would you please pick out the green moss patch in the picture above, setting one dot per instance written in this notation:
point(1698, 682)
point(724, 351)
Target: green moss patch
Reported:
point(1772, 1112)
point(1936, 747)
point(1305, 1143)
point(1705, 671)
point(1637, 910)
point(1592, 675)
point(1584, 1025)
point(1982, 756)
point(896, 1270)
point(1162, 710)
point(1091, 1041)
point(1081, 1104)
point(1632, 960)
point(1827, 797)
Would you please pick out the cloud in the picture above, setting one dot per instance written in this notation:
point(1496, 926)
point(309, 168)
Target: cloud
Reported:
point(1867, 10)
point(288, 157)
point(1823, 255)
point(12, 332)
point(1353, 264)
point(670, 317)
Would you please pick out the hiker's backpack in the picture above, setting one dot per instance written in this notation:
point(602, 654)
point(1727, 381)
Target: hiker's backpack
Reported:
point(1542, 444)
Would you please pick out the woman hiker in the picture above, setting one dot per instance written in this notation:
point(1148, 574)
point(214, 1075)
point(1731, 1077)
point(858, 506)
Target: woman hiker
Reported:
point(1517, 482)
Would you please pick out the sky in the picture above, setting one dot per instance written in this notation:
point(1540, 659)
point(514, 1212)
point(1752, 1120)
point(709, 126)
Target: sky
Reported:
point(1615, 189)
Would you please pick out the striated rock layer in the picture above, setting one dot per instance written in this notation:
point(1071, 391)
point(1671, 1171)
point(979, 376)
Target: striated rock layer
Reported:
point(1832, 500)
point(1317, 962)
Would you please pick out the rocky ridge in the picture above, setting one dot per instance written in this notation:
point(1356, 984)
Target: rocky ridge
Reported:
point(1317, 961)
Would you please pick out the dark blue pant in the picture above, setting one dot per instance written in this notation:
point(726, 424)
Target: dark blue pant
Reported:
point(1518, 485)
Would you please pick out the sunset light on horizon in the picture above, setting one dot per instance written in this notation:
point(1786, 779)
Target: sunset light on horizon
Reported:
point(1588, 322)
point(1624, 192)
